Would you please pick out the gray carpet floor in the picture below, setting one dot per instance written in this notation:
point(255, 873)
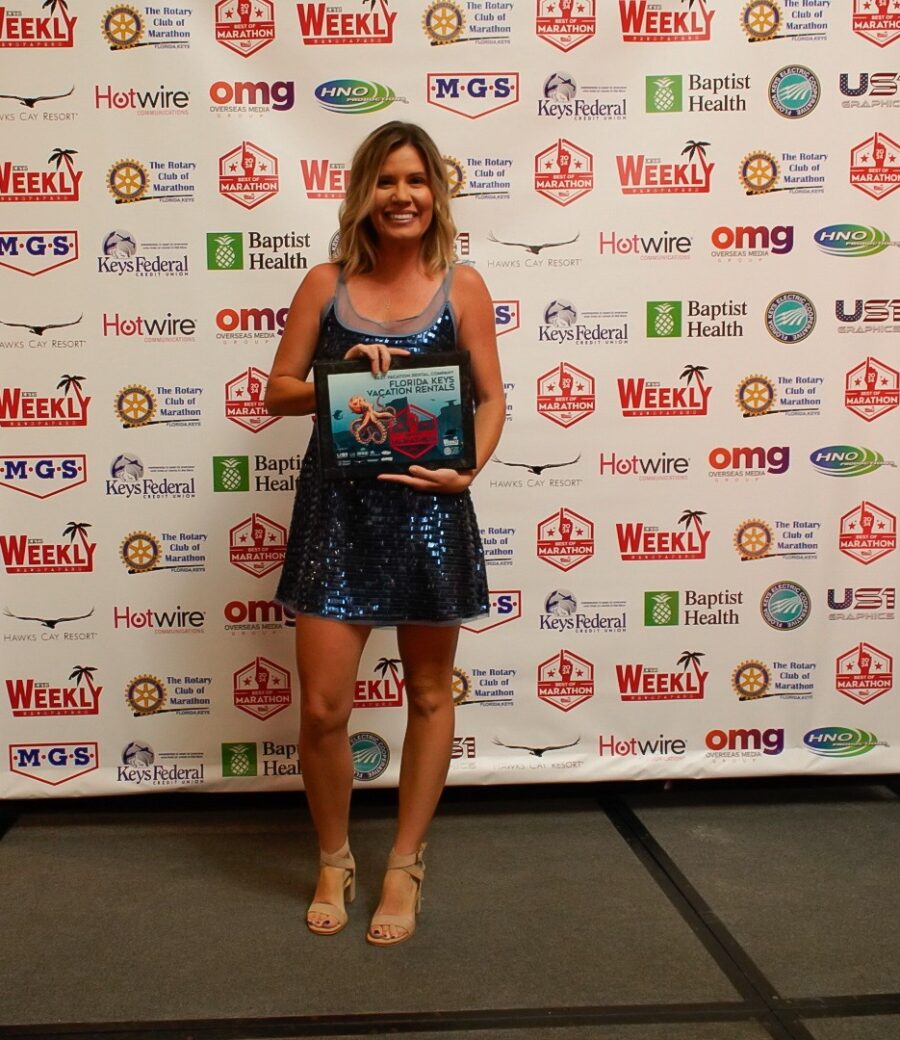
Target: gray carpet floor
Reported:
point(713, 911)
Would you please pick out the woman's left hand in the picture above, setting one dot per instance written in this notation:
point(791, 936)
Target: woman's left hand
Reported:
point(437, 481)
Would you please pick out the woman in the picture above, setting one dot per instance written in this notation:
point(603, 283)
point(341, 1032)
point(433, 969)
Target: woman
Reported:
point(401, 549)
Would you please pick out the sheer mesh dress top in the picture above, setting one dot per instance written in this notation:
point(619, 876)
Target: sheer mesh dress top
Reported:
point(375, 552)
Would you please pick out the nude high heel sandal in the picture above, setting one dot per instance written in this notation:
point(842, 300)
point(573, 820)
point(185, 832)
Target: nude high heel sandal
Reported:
point(337, 915)
point(412, 864)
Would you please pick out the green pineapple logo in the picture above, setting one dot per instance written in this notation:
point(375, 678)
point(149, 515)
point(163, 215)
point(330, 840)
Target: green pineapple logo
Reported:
point(231, 473)
point(239, 760)
point(663, 319)
point(224, 251)
point(660, 608)
point(663, 94)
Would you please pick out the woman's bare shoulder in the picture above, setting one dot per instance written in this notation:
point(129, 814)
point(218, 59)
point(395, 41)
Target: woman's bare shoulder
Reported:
point(320, 281)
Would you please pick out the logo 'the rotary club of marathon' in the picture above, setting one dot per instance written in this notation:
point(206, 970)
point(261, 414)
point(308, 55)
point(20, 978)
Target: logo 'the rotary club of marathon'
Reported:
point(129, 180)
point(142, 552)
point(124, 27)
point(565, 680)
point(864, 673)
point(245, 26)
point(751, 680)
point(875, 166)
point(262, 688)
point(565, 539)
point(757, 395)
point(867, 533)
point(754, 539)
point(565, 24)
point(136, 406)
point(877, 21)
point(245, 400)
point(565, 395)
point(563, 172)
point(763, 20)
point(148, 695)
point(61, 184)
point(871, 389)
point(248, 175)
point(257, 545)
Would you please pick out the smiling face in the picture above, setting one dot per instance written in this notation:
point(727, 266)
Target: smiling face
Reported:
point(402, 204)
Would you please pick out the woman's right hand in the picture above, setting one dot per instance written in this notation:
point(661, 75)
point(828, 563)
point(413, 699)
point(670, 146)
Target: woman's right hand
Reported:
point(378, 354)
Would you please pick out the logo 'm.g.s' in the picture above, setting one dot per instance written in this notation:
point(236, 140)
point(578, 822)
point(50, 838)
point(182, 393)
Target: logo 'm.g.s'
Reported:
point(36, 252)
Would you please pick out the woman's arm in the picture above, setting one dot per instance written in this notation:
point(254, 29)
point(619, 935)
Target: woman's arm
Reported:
point(475, 333)
point(288, 392)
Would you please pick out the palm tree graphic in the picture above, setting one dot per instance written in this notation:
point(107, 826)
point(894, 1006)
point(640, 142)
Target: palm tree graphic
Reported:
point(68, 383)
point(698, 149)
point(386, 664)
point(692, 516)
point(83, 673)
point(63, 155)
point(692, 372)
point(53, 4)
point(691, 657)
point(80, 529)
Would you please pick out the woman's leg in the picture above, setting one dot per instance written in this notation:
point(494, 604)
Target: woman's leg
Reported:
point(427, 653)
point(328, 654)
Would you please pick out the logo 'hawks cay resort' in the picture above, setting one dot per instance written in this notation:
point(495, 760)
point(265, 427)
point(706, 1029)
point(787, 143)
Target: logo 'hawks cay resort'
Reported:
point(28, 408)
point(58, 184)
point(51, 29)
point(23, 554)
point(639, 397)
point(637, 541)
point(642, 175)
point(665, 22)
point(640, 682)
point(343, 22)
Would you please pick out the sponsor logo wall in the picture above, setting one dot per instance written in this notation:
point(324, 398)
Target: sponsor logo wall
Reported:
point(690, 523)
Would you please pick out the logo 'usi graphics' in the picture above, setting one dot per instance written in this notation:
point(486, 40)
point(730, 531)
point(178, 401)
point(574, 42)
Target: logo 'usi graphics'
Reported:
point(867, 533)
point(640, 682)
point(27, 408)
point(875, 165)
point(262, 688)
point(42, 476)
point(785, 605)
point(473, 94)
point(53, 29)
point(563, 172)
point(640, 174)
point(23, 554)
point(54, 764)
point(871, 389)
point(31, 698)
point(257, 545)
point(565, 394)
point(565, 539)
point(871, 603)
point(564, 23)
point(840, 741)
point(638, 541)
point(59, 184)
point(665, 22)
point(245, 26)
point(248, 175)
point(879, 88)
point(342, 22)
point(864, 673)
point(124, 26)
point(794, 91)
point(505, 605)
point(565, 680)
point(877, 21)
point(640, 398)
point(324, 179)
point(37, 252)
point(851, 240)
point(867, 315)
point(245, 400)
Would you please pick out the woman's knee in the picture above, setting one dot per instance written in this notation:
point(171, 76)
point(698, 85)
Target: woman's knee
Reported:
point(321, 715)
point(428, 696)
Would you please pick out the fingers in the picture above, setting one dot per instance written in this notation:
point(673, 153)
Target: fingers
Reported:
point(436, 481)
point(379, 355)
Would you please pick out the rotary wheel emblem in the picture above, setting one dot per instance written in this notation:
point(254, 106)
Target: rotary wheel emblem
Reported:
point(123, 26)
point(755, 395)
point(460, 686)
point(750, 680)
point(753, 539)
point(443, 22)
point(759, 172)
point(140, 551)
point(127, 181)
point(761, 20)
point(135, 405)
point(145, 694)
point(456, 175)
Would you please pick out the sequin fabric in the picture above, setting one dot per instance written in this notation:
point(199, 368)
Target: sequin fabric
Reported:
point(373, 552)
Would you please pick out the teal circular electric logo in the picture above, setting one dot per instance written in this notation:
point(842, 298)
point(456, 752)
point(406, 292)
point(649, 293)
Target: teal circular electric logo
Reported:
point(370, 754)
point(785, 606)
point(794, 91)
point(790, 317)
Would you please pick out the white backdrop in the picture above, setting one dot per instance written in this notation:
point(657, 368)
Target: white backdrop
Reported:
point(685, 216)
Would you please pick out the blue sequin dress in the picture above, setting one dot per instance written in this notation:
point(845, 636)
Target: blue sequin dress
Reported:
point(374, 552)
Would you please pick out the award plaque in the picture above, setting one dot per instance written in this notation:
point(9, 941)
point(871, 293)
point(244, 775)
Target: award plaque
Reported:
point(420, 412)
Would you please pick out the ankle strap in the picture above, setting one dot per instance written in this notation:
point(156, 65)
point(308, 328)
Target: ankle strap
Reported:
point(341, 858)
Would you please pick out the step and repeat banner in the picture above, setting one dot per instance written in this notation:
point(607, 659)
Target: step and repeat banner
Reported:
point(686, 214)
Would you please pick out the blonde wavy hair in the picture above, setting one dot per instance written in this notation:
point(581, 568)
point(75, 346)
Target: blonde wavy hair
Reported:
point(357, 249)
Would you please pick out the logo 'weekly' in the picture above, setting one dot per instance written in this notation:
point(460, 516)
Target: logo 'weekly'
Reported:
point(22, 554)
point(637, 541)
point(19, 30)
point(643, 22)
point(25, 408)
point(641, 175)
point(640, 397)
point(18, 184)
point(330, 23)
point(28, 697)
point(638, 682)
